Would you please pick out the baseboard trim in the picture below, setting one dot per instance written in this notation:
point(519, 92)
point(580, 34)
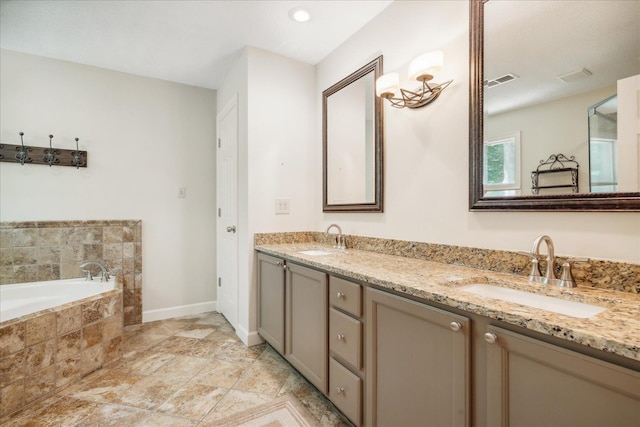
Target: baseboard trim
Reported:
point(178, 311)
point(248, 338)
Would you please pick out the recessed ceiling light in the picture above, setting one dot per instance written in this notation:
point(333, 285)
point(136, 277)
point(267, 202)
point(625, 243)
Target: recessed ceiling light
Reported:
point(299, 15)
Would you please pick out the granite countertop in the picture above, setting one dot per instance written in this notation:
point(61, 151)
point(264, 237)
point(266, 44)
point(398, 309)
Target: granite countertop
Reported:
point(616, 330)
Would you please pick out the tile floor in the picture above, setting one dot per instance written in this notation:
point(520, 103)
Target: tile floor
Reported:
point(188, 371)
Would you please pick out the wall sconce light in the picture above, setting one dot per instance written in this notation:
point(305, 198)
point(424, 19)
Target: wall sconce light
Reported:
point(421, 69)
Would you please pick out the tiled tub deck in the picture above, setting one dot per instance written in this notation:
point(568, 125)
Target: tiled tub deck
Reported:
point(44, 352)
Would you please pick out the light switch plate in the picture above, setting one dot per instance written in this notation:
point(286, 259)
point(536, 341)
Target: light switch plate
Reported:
point(282, 206)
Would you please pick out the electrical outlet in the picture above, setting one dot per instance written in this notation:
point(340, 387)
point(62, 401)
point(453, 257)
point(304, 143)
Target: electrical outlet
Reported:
point(282, 206)
point(182, 192)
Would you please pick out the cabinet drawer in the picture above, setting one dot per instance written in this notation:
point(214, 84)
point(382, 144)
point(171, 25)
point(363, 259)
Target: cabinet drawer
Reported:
point(345, 295)
point(345, 391)
point(345, 337)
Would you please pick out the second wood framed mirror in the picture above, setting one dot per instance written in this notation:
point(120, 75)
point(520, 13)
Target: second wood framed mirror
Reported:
point(352, 143)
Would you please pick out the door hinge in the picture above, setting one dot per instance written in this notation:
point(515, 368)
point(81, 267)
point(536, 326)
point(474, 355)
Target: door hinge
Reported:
point(219, 281)
point(219, 212)
point(219, 143)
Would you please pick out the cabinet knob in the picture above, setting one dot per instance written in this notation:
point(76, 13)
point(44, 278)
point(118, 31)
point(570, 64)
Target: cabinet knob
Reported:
point(340, 390)
point(279, 264)
point(340, 295)
point(340, 337)
point(455, 326)
point(490, 338)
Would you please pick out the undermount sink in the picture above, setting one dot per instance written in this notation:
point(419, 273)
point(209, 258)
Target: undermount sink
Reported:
point(315, 252)
point(543, 302)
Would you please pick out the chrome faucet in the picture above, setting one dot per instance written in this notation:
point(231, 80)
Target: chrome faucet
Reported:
point(340, 244)
point(105, 273)
point(566, 279)
point(549, 274)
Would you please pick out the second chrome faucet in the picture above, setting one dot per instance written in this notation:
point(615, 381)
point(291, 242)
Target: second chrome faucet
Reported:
point(551, 258)
point(340, 243)
point(566, 279)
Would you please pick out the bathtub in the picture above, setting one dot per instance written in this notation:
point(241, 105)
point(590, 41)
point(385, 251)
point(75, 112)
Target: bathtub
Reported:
point(26, 298)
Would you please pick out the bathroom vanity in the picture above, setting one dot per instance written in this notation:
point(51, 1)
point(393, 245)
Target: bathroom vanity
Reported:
point(399, 341)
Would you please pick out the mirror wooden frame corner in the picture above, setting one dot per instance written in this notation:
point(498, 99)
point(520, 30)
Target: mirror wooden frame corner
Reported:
point(377, 205)
point(477, 202)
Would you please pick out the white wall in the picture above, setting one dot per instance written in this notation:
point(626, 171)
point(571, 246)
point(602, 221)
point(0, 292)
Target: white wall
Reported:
point(281, 137)
point(426, 151)
point(145, 138)
point(275, 153)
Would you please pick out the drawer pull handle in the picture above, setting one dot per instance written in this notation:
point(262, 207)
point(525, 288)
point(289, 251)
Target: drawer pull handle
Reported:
point(340, 295)
point(455, 326)
point(490, 338)
point(340, 390)
point(341, 337)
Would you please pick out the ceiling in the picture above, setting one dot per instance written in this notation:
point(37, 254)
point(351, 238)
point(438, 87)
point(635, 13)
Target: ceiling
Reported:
point(541, 40)
point(190, 42)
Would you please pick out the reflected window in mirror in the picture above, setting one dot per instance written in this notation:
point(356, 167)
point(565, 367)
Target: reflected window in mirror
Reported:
point(543, 83)
point(502, 166)
point(352, 143)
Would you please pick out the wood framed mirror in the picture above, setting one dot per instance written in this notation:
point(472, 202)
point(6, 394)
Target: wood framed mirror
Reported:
point(352, 143)
point(491, 52)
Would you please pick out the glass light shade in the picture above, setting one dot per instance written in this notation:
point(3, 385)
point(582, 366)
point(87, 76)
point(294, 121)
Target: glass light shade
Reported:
point(388, 85)
point(426, 65)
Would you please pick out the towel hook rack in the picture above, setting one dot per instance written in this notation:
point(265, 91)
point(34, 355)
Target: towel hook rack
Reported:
point(51, 156)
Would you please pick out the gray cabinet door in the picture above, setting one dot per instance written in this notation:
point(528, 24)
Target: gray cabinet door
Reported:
point(532, 383)
point(271, 300)
point(306, 326)
point(417, 363)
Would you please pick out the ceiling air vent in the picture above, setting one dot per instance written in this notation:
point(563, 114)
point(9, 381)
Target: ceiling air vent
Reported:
point(575, 76)
point(500, 80)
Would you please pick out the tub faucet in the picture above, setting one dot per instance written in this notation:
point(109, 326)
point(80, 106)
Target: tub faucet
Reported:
point(340, 244)
point(549, 275)
point(104, 272)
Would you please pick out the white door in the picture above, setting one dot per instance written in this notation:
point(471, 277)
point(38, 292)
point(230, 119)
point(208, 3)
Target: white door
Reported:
point(227, 219)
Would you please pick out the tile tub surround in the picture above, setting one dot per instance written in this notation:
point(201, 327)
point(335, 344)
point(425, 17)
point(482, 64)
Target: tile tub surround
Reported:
point(595, 273)
point(52, 250)
point(616, 330)
point(187, 371)
point(45, 352)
